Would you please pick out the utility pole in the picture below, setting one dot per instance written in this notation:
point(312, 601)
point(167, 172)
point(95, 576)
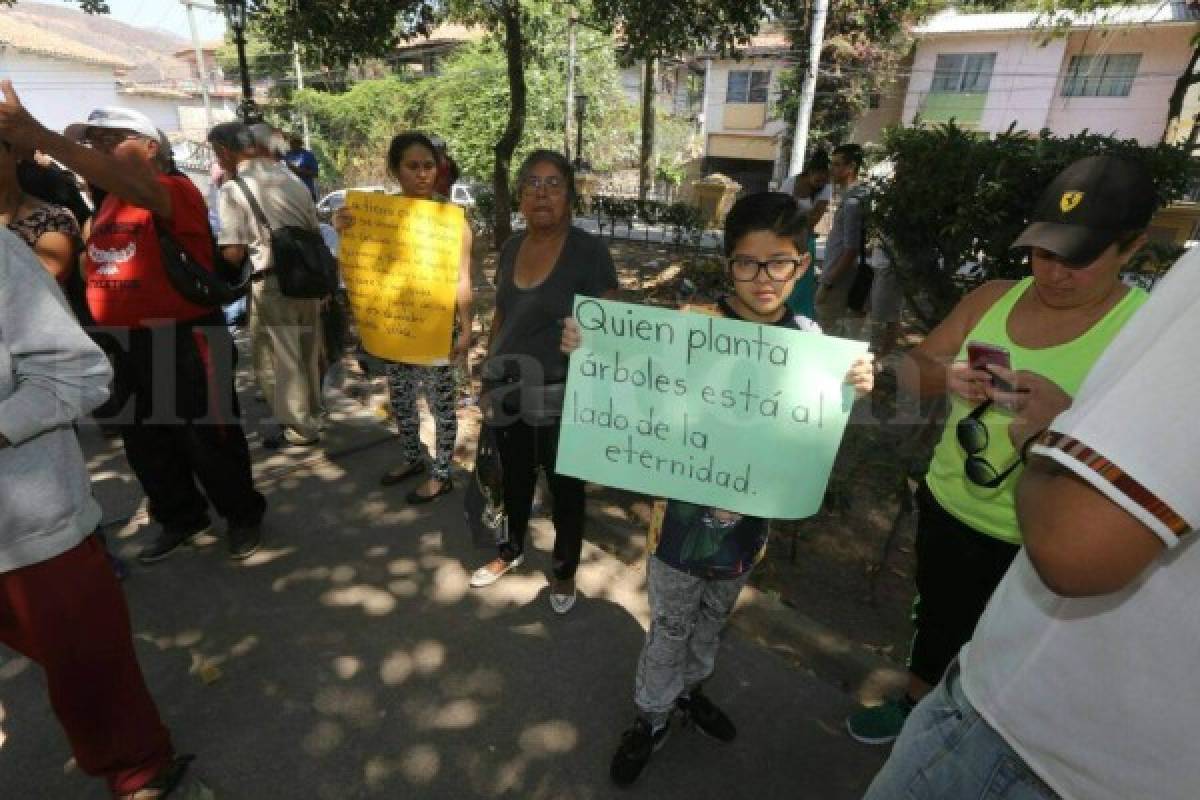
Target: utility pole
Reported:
point(572, 24)
point(809, 91)
point(300, 85)
point(208, 115)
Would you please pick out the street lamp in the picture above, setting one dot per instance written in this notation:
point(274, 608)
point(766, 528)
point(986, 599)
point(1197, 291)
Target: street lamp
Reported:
point(580, 113)
point(235, 15)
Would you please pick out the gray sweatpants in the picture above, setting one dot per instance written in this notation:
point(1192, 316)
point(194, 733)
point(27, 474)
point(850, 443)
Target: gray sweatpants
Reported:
point(686, 617)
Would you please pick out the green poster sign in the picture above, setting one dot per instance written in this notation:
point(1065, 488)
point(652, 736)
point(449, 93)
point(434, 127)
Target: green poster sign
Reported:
point(709, 410)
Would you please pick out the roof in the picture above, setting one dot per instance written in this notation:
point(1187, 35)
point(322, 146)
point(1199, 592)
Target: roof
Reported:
point(951, 21)
point(207, 47)
point(32, 39)
point(770, 42)
point(444, 35)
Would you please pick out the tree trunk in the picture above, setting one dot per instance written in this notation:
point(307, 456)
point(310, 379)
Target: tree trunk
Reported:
point(646, 158)
point(1175, 104)
point(506, 145)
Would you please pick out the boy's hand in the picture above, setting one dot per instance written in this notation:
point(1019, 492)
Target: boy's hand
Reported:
point(572, 336)
point(725, 517)
point(862, 375)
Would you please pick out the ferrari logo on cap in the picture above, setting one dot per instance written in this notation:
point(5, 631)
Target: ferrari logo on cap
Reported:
point(1070, 201)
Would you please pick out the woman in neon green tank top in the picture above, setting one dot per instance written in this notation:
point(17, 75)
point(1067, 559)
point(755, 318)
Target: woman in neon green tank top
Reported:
point(1054, 324)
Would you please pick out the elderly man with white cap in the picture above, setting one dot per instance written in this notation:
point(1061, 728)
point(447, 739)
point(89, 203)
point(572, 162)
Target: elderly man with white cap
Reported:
point(180, 423)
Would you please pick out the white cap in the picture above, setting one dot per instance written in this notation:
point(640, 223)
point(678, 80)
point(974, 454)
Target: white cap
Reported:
point(118, 118)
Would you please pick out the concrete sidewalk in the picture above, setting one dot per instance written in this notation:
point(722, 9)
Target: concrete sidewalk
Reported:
point(350, 659)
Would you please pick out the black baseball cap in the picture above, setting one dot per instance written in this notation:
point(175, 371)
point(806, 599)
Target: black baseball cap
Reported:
point(1091, 204)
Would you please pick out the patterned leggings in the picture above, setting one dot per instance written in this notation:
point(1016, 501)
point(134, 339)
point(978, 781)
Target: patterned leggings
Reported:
point(405, 382)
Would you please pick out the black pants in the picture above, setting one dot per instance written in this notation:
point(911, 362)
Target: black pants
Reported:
point(178, 414)
point(523, 449)
point(958, 568)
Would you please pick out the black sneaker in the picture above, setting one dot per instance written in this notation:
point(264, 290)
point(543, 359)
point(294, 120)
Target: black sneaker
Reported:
point(711, 720)
point(637, 745)
point(244, 540)
point(169, 540)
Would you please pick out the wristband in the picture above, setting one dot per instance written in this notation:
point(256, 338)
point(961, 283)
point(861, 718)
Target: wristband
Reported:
point(1029, 443)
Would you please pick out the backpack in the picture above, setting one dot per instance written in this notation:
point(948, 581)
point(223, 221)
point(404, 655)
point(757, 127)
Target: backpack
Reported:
point(302, 262)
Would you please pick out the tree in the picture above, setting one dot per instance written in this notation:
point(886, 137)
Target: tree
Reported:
point(653, 31)
point(90, 6)
point(352, 128)
point(865, 42)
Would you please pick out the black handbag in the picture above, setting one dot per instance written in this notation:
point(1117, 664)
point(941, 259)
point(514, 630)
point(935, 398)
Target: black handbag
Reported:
point(302, 261)
point(211, 288)
point(483, 503)
point(859, 296)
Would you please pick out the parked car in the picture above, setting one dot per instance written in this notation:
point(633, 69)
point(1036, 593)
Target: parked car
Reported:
point(337, 199)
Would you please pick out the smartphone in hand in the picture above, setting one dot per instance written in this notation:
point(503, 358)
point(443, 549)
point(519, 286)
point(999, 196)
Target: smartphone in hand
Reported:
point(981, 354)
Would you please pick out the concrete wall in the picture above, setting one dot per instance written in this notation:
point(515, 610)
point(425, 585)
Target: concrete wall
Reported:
point(58, 92)
point(1143, 114)
point(1024, 77)
point(1027, 79)
point(714, 96)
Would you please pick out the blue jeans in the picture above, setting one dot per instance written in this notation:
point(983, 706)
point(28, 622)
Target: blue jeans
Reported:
point(947, 751)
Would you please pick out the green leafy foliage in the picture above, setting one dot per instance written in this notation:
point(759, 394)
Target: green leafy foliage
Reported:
point(957, 200)
point(353, 128)
point(342, 32)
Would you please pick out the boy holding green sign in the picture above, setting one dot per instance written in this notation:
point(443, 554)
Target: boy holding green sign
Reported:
point(700, 558)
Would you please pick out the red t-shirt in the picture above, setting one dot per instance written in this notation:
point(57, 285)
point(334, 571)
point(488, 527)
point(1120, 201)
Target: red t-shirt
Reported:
point(127, 285)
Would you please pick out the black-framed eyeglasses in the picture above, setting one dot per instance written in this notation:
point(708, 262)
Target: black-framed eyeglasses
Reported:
point(553, 184)
point(108, 138)
point(973, 438)
point(745, 268)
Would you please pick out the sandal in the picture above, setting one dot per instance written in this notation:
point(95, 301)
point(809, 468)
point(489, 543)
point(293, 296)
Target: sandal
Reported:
point(401, 474)
point(415, 497)
point(165, 782)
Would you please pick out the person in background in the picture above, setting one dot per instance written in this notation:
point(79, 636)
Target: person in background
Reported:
point(845, 242)
point(180, 420)
point(1054, 325)
point(700, 558)
point(447, 170)
point(303, 162)
point(51, 231)
point(60, 603)
point(412, 161)
point(1079, 681)
point(284, 331)
point(812, 192)
point(541, 270)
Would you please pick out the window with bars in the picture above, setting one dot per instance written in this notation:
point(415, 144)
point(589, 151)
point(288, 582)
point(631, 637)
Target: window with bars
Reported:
point(747, 86)
point(1101, 76)
point(963, 73)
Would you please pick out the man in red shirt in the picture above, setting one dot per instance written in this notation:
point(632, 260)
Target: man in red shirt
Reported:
point(180, 419)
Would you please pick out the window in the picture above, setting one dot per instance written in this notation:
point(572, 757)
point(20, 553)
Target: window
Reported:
point(747, 86)
point(1101, 76)
point(963, 72)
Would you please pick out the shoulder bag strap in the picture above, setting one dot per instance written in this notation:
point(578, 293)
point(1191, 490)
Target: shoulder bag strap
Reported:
point(254, 206)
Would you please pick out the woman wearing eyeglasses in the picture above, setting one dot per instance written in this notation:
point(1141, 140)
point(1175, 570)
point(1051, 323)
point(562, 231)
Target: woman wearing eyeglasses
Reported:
point(1053, 325)
point(540, 271)
point(412, 161)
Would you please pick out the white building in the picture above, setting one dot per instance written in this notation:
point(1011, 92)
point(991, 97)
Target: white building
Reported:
point(58, 80)
point(1109, 72)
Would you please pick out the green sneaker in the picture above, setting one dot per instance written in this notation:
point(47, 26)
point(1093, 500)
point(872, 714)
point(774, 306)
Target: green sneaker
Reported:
point(879, 724)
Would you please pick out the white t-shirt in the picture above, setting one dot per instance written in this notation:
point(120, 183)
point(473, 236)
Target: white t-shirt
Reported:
point(1099, 695)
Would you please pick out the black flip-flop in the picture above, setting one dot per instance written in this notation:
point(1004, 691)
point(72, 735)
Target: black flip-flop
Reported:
point(415, 498)
point(392, 477)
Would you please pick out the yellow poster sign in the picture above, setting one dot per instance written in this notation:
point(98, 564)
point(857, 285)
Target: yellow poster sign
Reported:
point(400, 260)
